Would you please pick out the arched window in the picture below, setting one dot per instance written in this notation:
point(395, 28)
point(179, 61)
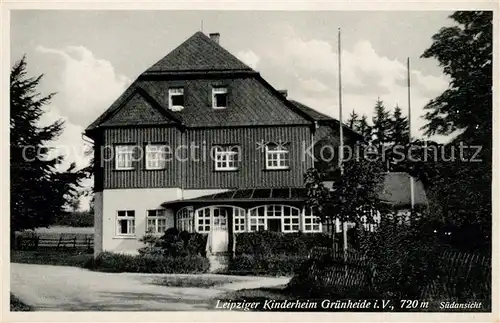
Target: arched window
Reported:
point(185, 219)
point(218, 217)
point(274, 217)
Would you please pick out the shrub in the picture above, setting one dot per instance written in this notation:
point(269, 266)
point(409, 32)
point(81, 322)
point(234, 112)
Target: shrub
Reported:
point(403, 258)
point(272, 243)
point(16, 305)
point(50, 257)
point(113, 262)
point(274, 265)
point(174, 244)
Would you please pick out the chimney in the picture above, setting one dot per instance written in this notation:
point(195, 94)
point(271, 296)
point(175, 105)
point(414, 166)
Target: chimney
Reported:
point(215, 37)
point(283, 92)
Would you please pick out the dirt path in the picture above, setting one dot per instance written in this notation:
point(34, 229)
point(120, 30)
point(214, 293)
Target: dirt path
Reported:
point(58, 288)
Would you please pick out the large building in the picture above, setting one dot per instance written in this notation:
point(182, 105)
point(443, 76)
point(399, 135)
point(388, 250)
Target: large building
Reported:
point(201, 142)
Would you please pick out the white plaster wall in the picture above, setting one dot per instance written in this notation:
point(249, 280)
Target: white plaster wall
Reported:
point(98, 208)
point(110, 201)
point(139, 200)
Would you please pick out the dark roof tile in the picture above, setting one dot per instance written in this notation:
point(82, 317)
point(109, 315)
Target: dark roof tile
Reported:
point(198, 53)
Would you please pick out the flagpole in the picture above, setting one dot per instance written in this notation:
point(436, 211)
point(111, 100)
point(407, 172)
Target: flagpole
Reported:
point(341, 147)
point(412, 193)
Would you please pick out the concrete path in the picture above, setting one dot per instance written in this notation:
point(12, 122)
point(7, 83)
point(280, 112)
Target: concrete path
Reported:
point(59, 288)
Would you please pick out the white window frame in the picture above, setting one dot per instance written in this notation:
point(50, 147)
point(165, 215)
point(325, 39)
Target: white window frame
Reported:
point(185, 219)
point(203, 220)
point(289, 216)
point(175, 91)
point(159, 215)
point(158, 150)
point(226, 158)
point(125, 154)
point(311, 223)
point(239, 220)
point(219, 90)
point(280, 156)
point(130, 218)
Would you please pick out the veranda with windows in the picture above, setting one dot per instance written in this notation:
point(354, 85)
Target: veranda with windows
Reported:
point(247, 210)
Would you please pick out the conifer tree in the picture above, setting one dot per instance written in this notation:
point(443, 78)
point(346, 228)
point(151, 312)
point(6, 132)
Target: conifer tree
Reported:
point(40, 190)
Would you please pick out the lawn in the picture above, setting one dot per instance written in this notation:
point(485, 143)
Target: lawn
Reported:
point(58, 229)
point(17, 306)
point(50, 257)
point(194, 281)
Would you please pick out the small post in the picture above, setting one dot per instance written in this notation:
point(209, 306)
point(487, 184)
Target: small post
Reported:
point(59, 242)
point(74, 242)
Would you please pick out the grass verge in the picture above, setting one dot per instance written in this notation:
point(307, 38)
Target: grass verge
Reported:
point(17, 306)
point(52, 257)
point(194, 281)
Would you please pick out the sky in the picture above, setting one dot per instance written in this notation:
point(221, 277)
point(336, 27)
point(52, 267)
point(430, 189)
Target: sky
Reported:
point(90, 57)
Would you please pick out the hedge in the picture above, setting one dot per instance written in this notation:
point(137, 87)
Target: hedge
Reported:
point(76, 219)
point(272, 243)
point(273, 265)
point(116, 263)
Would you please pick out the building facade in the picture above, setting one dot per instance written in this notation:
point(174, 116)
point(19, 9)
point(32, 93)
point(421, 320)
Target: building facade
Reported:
point(202, 142)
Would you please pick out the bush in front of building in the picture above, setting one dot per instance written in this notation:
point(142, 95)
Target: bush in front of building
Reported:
point(178, 252)
point(274, 253)
point(272, 243)
point(116, 263)
point(174, 243)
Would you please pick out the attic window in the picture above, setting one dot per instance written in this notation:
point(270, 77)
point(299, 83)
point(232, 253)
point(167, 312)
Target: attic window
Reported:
point(219, 97)
point(176, 99)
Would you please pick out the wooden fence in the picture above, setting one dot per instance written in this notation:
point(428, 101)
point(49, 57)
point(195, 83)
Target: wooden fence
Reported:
point(64, 241)
point(457, 275)
point(462, 276)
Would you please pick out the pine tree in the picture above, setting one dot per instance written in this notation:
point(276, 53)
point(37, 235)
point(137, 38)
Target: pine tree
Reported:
point(353, 120)
point(399, 128)
point(39, 191)
point(399, 139)
point(381, 133)
point(381, 125)
point(364, 128)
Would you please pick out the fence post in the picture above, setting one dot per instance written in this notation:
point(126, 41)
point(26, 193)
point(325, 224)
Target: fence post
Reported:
point(88, 243)
point(36, 242)
point(59, 242)
point(74, 242)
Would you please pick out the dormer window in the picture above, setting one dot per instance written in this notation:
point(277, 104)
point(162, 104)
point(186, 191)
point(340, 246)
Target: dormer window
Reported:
point(219, 97)
point(176, 99)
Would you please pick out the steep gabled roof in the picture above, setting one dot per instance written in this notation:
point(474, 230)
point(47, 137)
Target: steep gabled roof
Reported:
point(198, 53)
point(197, 64)
point(126, 110)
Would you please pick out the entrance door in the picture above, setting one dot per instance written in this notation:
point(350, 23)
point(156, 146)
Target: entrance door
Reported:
point(274, 225)
point(219, 230)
